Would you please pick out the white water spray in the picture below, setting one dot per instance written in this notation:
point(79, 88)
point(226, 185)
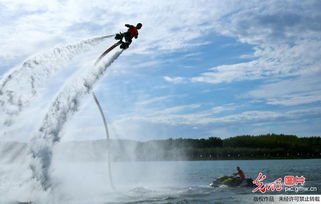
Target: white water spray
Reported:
point(61, 110)
point(107, 139)
point(32, 75)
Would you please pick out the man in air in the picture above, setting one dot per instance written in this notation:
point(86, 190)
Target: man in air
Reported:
point(131, 33)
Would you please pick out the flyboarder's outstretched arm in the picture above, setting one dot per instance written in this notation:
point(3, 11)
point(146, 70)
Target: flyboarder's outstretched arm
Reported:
point(128, 25)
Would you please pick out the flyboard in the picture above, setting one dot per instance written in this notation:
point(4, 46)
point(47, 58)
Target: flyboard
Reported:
point(107, 138)
point(107, 51)
point(123, 45)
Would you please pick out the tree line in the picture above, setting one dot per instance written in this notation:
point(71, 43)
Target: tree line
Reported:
point(269, 146)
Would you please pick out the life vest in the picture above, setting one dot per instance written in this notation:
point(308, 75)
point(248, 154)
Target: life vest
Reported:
point(133, 32)
point(241, 174)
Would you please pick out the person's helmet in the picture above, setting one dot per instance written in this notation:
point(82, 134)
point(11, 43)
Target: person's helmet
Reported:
point(139, 25)
point(238, 168)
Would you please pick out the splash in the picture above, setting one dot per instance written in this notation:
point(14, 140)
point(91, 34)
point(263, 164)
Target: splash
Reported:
point(61, 110)
point(32, 75)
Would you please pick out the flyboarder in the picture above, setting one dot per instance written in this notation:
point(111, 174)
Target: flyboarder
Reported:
point(131, 33)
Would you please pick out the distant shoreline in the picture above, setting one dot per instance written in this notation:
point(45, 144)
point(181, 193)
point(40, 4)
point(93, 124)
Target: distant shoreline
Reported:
point(246, 147)
point(245, 159)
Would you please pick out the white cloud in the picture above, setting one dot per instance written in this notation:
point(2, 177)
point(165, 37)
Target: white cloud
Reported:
point(153, 100)
point(167, 25)
point(295, 91)
point(219, 109)
point(286, 36)
point(273, 61)
point(174, 80)
point(177, 115)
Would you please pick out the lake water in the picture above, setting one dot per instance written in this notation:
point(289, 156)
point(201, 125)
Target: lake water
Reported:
point(191, 185)
point(167, 182)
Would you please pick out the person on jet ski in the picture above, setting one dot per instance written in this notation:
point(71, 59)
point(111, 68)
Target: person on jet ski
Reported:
point(239, 174)
point(238, 179)
point(131, 33)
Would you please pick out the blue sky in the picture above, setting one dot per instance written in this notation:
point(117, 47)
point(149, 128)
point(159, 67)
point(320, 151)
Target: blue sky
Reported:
point(198, 68)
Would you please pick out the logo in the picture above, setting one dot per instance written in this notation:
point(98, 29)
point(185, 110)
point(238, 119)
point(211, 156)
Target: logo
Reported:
point(288, 184)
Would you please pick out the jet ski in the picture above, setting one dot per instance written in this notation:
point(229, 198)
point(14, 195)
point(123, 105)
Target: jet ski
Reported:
point(232, 181)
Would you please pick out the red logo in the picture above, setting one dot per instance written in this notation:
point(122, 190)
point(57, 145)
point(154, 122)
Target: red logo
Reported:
point(276, 185)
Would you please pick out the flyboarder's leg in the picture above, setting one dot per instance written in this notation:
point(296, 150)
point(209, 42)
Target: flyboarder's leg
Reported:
point(119, 36)
point(124, 45)
point(127, 42)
